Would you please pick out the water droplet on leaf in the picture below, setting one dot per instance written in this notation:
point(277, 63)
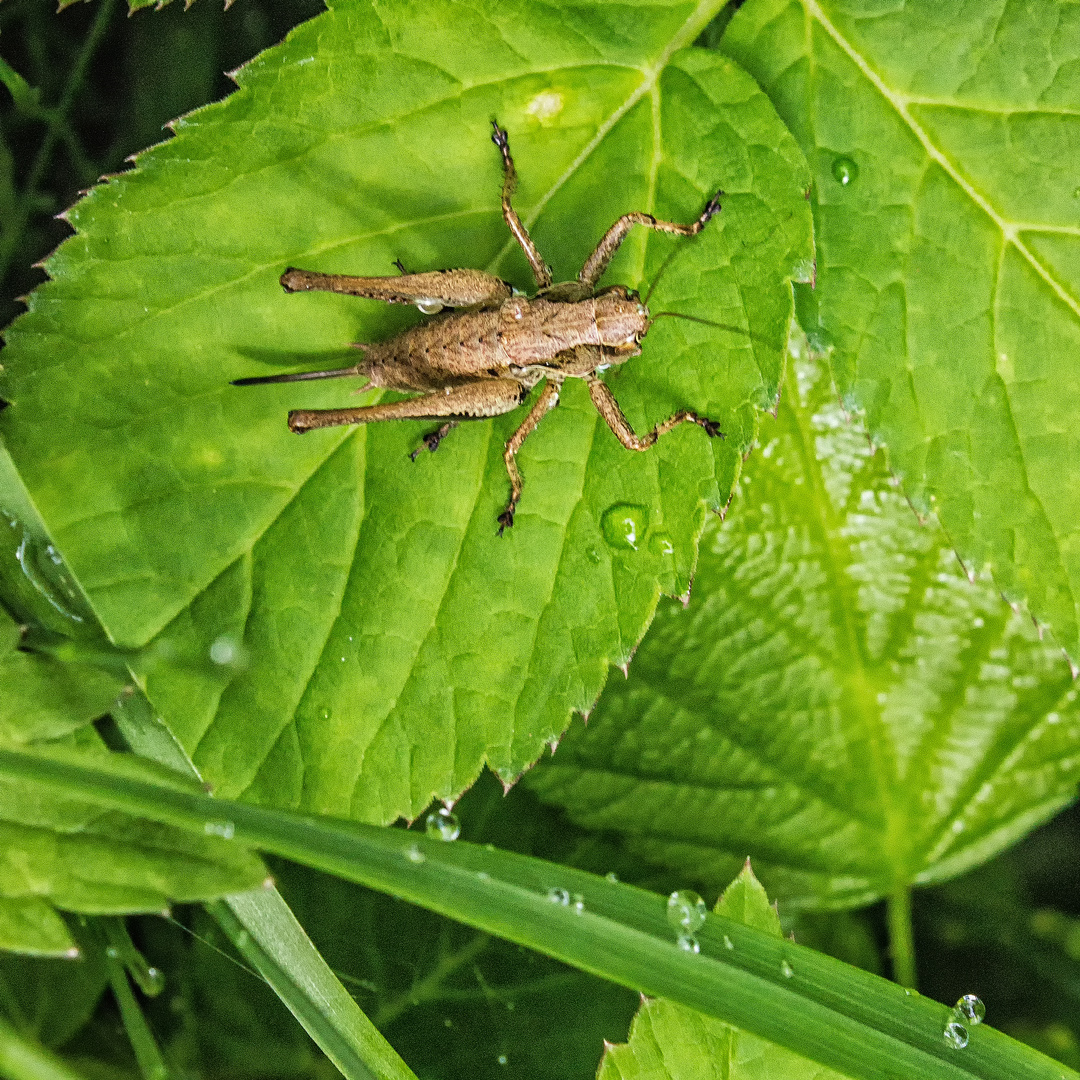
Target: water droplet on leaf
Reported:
point(224, 829)
point(558, 896)
point(786, 969)
point(845, 171)
point(688, 943)
point(956, 1035)
point(686, 911)
point(152, 982)
point(429, 306)
point(971, 1009)
point(728, 943)
point(442, 824)
point(623, 526)
point(579, 904)
point(43, 567)
point(660, 544)
point(415, 855)
point(225, 651)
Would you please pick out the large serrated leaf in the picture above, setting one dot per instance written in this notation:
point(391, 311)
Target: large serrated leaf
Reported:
point(672, 1042)
point(838, 700)
point(378, 642)
point(943, 147)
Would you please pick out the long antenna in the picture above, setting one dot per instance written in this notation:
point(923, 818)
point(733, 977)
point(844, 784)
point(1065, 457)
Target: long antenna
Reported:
point(719, 326)
point(299, 376)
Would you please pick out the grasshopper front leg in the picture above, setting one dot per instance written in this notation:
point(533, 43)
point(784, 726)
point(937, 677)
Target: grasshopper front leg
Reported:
point(541, 270)
point(597, 262)
point(613, 416)
point(429, 291)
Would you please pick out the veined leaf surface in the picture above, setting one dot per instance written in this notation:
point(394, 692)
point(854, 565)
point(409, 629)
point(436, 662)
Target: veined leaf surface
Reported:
point(838, 700)
point(944, 148)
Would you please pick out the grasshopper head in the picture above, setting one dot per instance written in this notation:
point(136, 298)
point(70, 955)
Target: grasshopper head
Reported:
point(621, 319)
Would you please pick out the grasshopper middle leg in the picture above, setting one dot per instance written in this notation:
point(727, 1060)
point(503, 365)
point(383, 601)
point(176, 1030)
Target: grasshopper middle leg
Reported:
point(548, 399)
point(613, 416)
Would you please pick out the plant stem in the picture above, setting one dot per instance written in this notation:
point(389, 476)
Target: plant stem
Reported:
point(151, 1063)
point(901, 937)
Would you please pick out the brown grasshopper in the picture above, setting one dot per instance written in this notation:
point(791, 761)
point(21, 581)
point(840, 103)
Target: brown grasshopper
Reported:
point(484, 360)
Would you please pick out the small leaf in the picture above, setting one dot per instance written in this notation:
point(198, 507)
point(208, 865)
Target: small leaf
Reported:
point(27, 98)
point(946, 198)
point(671, 1042)
point(837, 700)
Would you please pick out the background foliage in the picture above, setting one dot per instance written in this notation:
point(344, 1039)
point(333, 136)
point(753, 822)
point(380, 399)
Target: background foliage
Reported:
point(951, 666)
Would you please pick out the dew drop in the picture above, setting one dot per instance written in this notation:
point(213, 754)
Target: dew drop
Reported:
point(660, 544)
point(501, 1059)
point(688, 943)
point(1076, 192)
point(225, 651)
point(786, 969)
point(728, 943)
point(594, 556)
point(956, 1035)
point(579, 904)
point(112, 952)
point(442, 824)
point(971, 1009)
point(558, 896)
point(415, 855)
point(429, 306)
point(325, 713)
point(225, 829)
point(623, 525)
point(685, 911)
point(612, 877)
point(845, 171)
point(152, 982)
point(43, 567)
point(482, 875)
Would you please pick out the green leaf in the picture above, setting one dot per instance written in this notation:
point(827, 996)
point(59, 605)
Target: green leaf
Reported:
point(945, 206)
point(838, 700)
point(836, 1015)
point(31, 925)
point(671, 1042)
point(43, 698)
point(71, 855)
point(379, 641)
point(50, 1000)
